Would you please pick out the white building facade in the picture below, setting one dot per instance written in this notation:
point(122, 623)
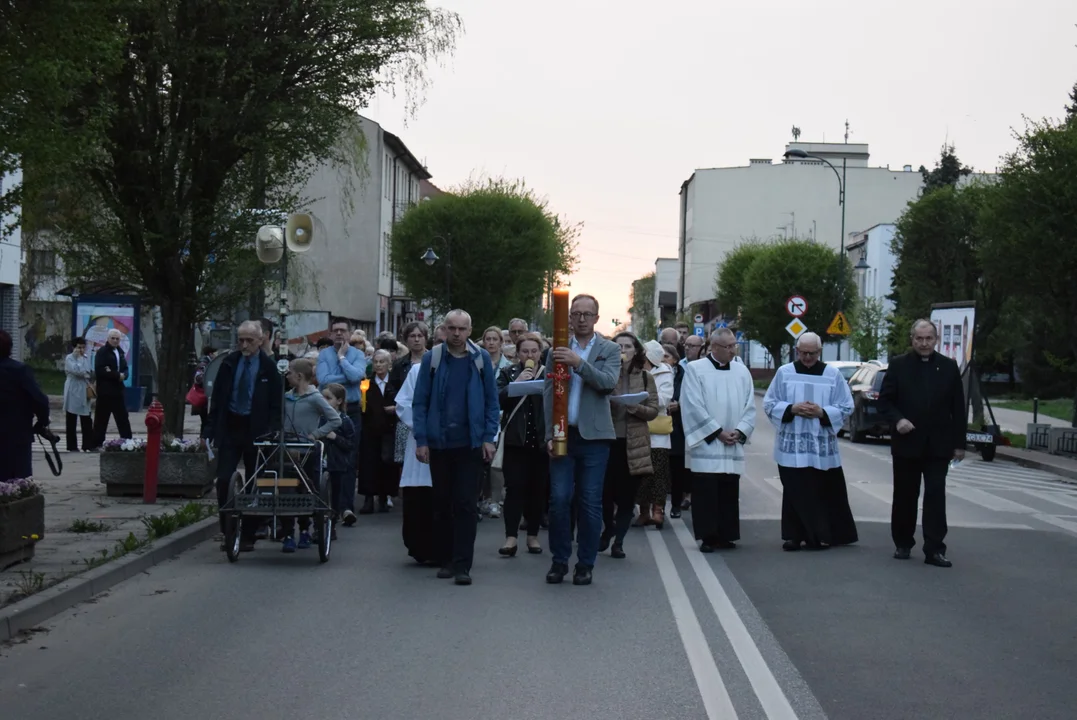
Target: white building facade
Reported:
point(872, 247)
point(352, 269)
point(665, 291)
point(10, 269)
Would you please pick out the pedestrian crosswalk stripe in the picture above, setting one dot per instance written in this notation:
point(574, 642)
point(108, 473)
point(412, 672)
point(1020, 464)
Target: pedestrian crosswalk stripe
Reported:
point(987, 500)
point(877, 491)
point(712, 689)
point(1057, 522)
point(771, 697)
point(1062, 499)
point(885, 520)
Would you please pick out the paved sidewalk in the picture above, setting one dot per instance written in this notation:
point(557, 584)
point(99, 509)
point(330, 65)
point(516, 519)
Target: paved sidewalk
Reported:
point(1064, 467)
point(1017, 421)
point(78, 496)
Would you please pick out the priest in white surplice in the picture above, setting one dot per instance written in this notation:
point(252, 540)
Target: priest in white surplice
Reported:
point(808, 402)
point(718, 412)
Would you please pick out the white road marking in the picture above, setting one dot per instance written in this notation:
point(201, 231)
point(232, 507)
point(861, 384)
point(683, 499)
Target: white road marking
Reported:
point(878, 520)
point(1062, 499)
point(1057, 522)
point(774, 702)
point(712, 689)
point(989, 501)
point(775, 483)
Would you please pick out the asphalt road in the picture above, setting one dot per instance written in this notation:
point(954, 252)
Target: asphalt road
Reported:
point(666, 633)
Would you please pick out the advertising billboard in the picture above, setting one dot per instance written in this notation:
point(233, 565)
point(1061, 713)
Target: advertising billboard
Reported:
point(93, 321)
point(955, 326)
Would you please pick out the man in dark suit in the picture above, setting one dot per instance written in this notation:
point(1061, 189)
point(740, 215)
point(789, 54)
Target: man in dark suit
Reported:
point(110, 371)
point(245, 406)
point(923, 399)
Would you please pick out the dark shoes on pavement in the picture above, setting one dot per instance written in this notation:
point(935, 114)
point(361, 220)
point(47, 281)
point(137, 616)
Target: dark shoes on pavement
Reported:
point(462, 578)
point(938, 560)
point(445, 573)
point(582, 575)
point(902, 553)
point(617, 551)
point(557, 573)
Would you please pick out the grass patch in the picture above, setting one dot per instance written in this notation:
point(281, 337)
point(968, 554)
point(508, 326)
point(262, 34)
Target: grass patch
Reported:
point(761, 384)
point(88, 526)
point(1061, 409)
point(1017, 440)
point(50, 380)
point(157, 526)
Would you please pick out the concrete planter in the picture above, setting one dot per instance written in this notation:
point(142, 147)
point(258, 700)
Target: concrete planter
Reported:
point(20, 521)
point(186, 475)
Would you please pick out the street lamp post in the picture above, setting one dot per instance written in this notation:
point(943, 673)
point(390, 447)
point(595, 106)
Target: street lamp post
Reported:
point(801, 155)
point(430, 257)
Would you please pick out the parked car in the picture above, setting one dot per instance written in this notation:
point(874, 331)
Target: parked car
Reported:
point(846, 367)
point(866, 420)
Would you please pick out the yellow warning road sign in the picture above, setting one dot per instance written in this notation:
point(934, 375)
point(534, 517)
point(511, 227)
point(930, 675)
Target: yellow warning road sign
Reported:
point(839, 325)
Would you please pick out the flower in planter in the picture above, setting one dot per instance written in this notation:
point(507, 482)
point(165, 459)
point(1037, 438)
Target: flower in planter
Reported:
point(180, 445)
point(12, 490)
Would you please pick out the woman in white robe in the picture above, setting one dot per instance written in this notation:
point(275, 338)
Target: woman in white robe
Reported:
point(416, 488)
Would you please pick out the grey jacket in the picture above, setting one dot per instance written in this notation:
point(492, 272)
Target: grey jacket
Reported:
point(599, 374)
point(303, 414)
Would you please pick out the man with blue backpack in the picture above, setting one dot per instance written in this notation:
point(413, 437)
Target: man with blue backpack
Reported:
point(456, 413)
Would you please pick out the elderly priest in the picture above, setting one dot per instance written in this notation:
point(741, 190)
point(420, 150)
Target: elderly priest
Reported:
point(718, 412)
point(808, 402)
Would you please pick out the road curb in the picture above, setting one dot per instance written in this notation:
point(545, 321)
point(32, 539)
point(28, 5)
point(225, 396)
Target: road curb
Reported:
point(1067, 474)
point(34, 610)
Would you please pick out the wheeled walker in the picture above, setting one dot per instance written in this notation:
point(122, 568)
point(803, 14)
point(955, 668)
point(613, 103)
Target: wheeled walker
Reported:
point(285, 483)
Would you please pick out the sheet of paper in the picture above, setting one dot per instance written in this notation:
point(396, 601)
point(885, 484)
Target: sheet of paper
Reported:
point(527, 387)
point(629, 399)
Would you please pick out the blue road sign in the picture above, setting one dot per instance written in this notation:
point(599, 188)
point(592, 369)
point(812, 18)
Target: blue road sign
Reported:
point(721, 324)
point(699, 331)
point(740, 337)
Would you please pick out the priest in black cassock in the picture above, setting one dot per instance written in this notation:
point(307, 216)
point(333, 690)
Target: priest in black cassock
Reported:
point(808, 403)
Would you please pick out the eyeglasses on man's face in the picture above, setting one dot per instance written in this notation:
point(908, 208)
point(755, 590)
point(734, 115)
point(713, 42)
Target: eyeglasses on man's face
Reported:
point(582, 315)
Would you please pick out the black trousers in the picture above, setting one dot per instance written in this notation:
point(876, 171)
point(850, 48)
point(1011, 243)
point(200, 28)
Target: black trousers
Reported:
point(619, 490)
point(235, 447)
point(72, 434)
point(526, 471)
point(418, 522)
point(110, 405)
point(680, 480)
point(455, 474)
point(907, 475)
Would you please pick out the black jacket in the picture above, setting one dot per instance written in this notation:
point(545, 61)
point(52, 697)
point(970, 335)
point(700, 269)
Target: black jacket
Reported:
point(677, 438)
point(516, 433)
point(108, 373)
point(930, 395)
point(265, 405)
point(22, 401)
point(340, 451)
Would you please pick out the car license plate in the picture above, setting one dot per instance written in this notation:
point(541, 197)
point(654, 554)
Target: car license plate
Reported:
point(975, 437)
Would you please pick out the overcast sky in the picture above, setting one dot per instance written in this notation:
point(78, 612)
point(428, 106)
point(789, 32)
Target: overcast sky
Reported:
point(607, 106)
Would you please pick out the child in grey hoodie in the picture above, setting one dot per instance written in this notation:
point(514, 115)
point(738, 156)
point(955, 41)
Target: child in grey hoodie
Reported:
point(304, 411)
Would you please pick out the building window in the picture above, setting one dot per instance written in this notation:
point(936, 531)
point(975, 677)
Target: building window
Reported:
point(385, 175)
point(43, 263)
point(385, 254)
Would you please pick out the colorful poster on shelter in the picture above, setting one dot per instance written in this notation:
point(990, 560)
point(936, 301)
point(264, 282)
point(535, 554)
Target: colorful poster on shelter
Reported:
point(958, 323)
point(95, 320)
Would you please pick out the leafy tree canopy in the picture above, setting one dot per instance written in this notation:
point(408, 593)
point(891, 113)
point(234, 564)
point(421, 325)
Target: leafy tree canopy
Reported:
point(505, 245)
point(729, 278)
point(786, 268)
point(642, 298)
point(947, 172)
point(209, 100)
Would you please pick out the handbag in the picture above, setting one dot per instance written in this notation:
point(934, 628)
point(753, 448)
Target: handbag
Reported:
point(661, 425)
point(91, 391)
point(196, 396)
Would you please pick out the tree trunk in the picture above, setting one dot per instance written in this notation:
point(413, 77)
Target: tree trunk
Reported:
point(177, 322)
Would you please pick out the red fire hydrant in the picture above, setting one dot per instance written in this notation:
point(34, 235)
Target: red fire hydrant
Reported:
point(155, 420)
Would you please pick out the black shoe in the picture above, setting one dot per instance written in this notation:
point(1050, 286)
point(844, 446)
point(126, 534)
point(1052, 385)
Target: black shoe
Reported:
point(349, 518)
point(938, 560)
point(902, 553)
point(507, 551)
point(445, 573)
point(368, 506)
point(383, 504)
point(725, 545)
point(617, 551)
point(545, 523)
point(582, 576)
point(604, 542)
point(462, 578)
point(790, 546)
point(706, 548)
point(557, 573)
point(674, 512)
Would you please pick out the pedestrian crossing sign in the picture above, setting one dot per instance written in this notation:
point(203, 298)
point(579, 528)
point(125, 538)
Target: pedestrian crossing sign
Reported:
point(796, 328)
point(839, 325)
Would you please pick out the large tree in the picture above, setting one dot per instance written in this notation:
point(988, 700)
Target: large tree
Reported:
point(729, 277)
point(793, 267)
point(643, 290)
point(499, 247)
point(1032, 250)
point(218, 108)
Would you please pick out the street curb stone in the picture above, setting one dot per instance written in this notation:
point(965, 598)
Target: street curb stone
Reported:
point(36, 609)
